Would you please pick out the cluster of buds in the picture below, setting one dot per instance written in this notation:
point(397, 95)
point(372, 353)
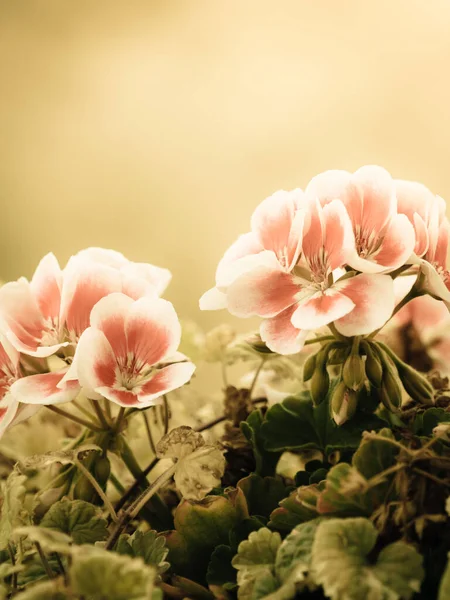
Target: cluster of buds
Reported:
point(363, 364)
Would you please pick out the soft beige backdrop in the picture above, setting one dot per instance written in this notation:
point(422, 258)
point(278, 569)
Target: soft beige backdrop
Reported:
point(155, 126)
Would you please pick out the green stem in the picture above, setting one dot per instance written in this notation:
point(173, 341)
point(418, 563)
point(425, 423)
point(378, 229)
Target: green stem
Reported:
point(108, 505)
point(166, 414)
point(98, 411)
point(85, 412)
point(119, 419)
point(255, 378)
point(149, 432)
point(116, 483)
point(44, 561)
point(74, 418)
point(317, 340)
point(13, 562)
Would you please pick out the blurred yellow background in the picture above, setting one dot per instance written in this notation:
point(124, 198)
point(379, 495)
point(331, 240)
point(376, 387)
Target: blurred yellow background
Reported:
point(155, 126)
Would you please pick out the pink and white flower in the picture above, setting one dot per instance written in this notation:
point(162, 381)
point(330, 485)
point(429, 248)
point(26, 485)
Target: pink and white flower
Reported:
point(126, 355)
point(49, 314)
point(276, 233)
point(384, 239)
point(307, 298)
point(11, 410)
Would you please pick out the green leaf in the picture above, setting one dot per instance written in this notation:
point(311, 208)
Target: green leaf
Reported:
point(298, 507)
point(199, 528)
point(374, 456)
point(149, 546)
point(50, 540)
point(296, 424)
point(263, 494)
point(428, 420)
point(199, 467)
point(342, 565)
point(444, 586)
point(294, 555)
point(266, 462)
point(346, 493)
point(46, 590)
point(99, 575)
point(13, 512)
point(76, 518)
point(220, 571)
point(255, 561)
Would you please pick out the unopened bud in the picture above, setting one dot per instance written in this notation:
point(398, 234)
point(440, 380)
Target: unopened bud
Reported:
point(309, 367)
point(374, 368)
point(390, 391)
point(354, 373)
point(415, 384)
point(320, 384)
point(344, 402)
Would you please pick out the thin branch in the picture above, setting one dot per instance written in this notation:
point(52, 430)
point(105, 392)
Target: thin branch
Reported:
point(13, 562)
point(149, 432)
point(119, 419)
point(44, 561)
point(255, 378)
point(74, 418)
point(98, 411)
point(166, 414)
point(85, 412)
point(317, 340)
point(431, 477)
point(108, 505)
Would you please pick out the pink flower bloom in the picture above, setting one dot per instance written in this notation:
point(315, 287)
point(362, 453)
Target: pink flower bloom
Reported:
point(276, 233)
point(126, 353)
point(428, 215)
point(11, 411)
point(384, 239)
point(307, 298)
point(51, 312)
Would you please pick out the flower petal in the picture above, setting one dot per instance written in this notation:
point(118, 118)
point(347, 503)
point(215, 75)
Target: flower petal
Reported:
point(264, 291)
point(103, 256)
point(379, 200)
point(166, 380)
point(140, 279)
point(339, 240)
point(272, 223)
point(43, 389)
point(434, 283)
point(246, 245)
point(94, 362)
point(153, 330)
point(374, 299)
point(121, 397)
point(8, 410)
point(109, 315)
point(46, 287)
point(280, 335)
point(213, 299)
point(397, 245)
point(85, 283)
point(321, 309)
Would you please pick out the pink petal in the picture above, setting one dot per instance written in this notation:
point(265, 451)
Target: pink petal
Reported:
point(9, 356)
point(427, 312)
point(441, 252)
point(121, 397)
point(103, 256)
point(153, 330)
point(280, 335)
point(246, 245)
point(213, 299)
point(374, 299)
point(421, 232)
point(43, 389)
point(339, 240)
point(166, 380)
point(264, 291)
point(379, 200)
point(46, 287)
point(313, 235)
point(272, 223)
point(94, 362)
point(140, 279)
point(413, 198)
point(333, 185)
point(321, 309)
point(434, 283)
point(109, 315)
point(8, 410)
point(85, 283)
point(397, 244)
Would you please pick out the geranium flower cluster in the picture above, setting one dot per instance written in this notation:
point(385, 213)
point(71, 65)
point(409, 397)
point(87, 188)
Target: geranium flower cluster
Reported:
point(329, 256)
point(103, 317)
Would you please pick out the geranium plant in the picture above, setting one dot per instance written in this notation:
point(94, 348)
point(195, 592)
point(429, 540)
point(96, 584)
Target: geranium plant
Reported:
point(318, 466)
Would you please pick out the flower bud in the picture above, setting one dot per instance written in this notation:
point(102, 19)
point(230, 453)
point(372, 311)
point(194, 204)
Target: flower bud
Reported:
point(309, 367)
point(344, 402)
point(320, 381)
point(415, 384)
point(374, 369)
point(390, 391)
point(354, 373)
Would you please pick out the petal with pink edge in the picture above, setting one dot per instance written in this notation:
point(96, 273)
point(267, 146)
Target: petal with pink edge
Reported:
point(264, 291)
point(46, 287)
point(246, 245)
point(109, 315)
point(142, 278)
point(333, 185)
point(44, 389)
point(165, 380)
point(84, 284)
point(280, 335)
point(213, 299)
point(379, 200)
point(397, 244)
point(321, 308)
point(9, 407)
point(121, 397)
point(421, 231)
point(104, 256)
point(339, 240)
point(374, 299)
point(153, 330)
point(272, 223)
point(94, 362)
point(434, 284)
